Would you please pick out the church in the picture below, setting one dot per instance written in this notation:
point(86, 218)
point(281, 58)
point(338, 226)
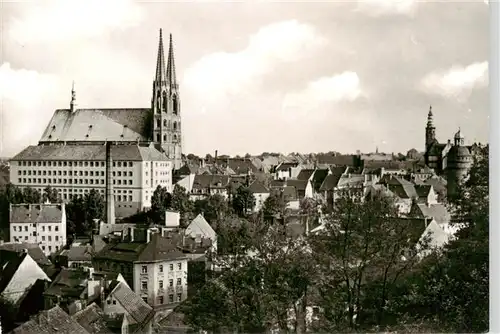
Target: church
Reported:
point(146, 146)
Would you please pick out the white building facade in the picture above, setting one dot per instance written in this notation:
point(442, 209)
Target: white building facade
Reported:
point(43, 224)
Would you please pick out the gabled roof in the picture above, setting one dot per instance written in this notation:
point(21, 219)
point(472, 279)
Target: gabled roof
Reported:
point(318, 178)
point(98, 125)
point(258, 188)
point(351, 181)
point(305, 174)
point(33, 250)
point(199, 226)
point(286, 165)
point(51, 321)
point(79, 253)
point(423, 190)
point(438, 183)
point(437, 211)
point(210, 181)
point(69, 282)
point(404, 191)
point(9, 264)
point(297, 184)
point(92, 318)
point(277, 183)
point(36, 213)
point(330, 182)
point(139, 311)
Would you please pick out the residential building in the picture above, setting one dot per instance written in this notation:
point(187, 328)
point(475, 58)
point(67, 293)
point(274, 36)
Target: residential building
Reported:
point(200, 229)
point(156, 269)
point(287, 170)
point(260, 193)
point(207, 185)
point(33, 250)
point(76, 257)
point(18, 272)
point(43, 224)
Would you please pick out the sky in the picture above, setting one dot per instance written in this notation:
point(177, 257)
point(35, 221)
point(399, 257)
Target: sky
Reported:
point(255, 76)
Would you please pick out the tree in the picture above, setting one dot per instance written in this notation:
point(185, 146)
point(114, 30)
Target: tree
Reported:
point(51, 195)
point(243, 201)
point(94, 208)
point(182, 204)
point(274, 205)
point(360, 255)
point(452, 287)
point(160, 202)
point(8, 315)
point(81, 212)
point(31, 195)
point(214, 208)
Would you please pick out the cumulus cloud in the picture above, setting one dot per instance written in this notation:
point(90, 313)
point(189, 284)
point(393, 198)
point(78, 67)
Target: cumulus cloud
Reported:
point(222, 73)
point(332, 89)
point(25, 95)
point(457, 82)
point(61, 19)
point(387, 7)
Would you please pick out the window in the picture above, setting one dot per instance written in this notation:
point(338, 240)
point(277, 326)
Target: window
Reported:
point(50, 228)
point(179, 281)
point(34, 234)
point(56, 228)
point(160, 300)
point(171, 267)
point(145, 299)
point(114, 302)
point(171, 282)
point(49, 238)
point(161, 268)
point(26, 229)
point(109, 302)
point(144, 285)
point(170, 298)
point(179, 297)
point(57, 238)
point(43, 238)
point(160, 284)
point(144, 269)
point(179, 266)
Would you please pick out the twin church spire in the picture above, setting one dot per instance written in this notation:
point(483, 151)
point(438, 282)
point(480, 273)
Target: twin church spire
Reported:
point(166, 74)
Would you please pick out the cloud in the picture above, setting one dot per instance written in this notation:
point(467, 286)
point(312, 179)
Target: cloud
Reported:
point(387, 7)
point(458, 81)
point(62, 20)
point(25, 96)
point(220, 74)
point(325, 90)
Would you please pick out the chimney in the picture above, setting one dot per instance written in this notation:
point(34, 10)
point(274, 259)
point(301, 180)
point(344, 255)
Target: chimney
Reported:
point(110, 203)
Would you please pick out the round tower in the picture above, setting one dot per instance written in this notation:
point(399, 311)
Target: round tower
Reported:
point(459, 162)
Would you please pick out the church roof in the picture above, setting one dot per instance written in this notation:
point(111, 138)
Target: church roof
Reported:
point(97, 125)
point(90, 153)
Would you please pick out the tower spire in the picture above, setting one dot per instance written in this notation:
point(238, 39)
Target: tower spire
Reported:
point(171, 78)
point(429, 117)
point(160, 61)
point(72, 104)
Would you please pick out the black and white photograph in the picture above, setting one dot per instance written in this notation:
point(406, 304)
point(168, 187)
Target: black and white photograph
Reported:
point(244, 166)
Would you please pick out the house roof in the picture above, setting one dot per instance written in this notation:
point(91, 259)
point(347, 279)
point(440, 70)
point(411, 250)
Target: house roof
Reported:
point(438, 183)
point(394, 180)
point(98, 125)
point(355, 180)
point(36, 213)
point(69, 282)
point(437, 211)
point(158, 249)
point(305, 174)
point(79, 253)
point(138, 310)
point(51, 321)
point(277, 183)
point(330, 182)
point(404, 191)
point(286, 165)
point(92, 319)
point(258, 187)
point(297, 184)
point(318, 177)
point(33, 250)
point(337, 160)
point(9, 264)
point(423, 190)
point(210, 181)
point(199, 226)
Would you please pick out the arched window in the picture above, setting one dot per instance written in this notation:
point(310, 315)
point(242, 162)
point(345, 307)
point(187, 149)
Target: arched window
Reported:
point(176, 107)
point(164, 100)
point(164, 122)
point(175, 137)
point(158, 123)
point(175, 125)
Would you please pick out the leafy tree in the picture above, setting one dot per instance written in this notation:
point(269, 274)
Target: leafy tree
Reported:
point(31, 195)
point(182, 203)
point(81, 212)
point(243, 201)
point(360, 255)
point(452, 287)
point(274, 205)
point(160, 202)
point(8, 315)
point(50, 194)
point(213, 208)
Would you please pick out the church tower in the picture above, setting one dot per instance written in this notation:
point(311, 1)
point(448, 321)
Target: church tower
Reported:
point(430, 130)
point(165, 106)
